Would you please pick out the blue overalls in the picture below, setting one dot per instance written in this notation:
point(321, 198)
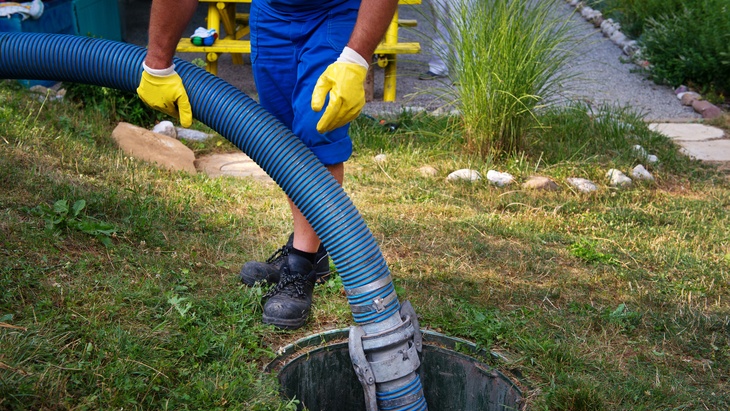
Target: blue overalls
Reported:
point(292, 43)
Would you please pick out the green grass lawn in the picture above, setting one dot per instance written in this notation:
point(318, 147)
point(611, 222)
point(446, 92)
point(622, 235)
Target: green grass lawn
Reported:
point(614, 300)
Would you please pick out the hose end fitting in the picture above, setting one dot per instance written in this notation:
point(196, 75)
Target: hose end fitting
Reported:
point(386, 357)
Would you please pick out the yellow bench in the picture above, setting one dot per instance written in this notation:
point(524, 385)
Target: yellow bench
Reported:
point(224, 12)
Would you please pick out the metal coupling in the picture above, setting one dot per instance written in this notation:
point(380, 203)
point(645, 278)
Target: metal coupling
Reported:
point(397, 351)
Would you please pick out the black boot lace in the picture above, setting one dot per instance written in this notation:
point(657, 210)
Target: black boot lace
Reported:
point(278, 254)
point(289, 284)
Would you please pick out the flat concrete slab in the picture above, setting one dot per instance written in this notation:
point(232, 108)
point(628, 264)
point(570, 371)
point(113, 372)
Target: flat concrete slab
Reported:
point(712, 150)
point(705, 143)
point(687, 131)
point(231, 164)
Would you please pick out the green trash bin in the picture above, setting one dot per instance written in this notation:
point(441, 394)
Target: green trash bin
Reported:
point(98, 19)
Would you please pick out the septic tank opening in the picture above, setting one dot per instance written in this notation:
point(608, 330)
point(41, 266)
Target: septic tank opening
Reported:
point(317, 370)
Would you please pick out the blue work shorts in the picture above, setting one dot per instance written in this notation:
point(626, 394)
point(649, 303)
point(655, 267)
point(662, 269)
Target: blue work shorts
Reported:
point(289, 51)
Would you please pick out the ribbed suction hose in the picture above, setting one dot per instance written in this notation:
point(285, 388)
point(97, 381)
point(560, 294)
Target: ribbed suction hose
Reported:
point(384, 345)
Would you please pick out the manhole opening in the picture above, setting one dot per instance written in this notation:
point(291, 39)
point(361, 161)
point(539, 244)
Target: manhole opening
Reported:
point(318, 372)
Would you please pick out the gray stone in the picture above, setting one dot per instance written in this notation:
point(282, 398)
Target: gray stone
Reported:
point(581, 184)
point(618, 38)
point(153, 147)
point(191, 135)
point(597, 20)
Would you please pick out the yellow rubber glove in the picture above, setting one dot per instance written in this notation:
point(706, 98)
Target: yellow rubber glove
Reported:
point(343, 81)
point(166, 93)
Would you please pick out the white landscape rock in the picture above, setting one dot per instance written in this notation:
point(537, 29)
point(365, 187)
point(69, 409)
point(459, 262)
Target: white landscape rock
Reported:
point(581, 184)
point(651, 158)
point(464, 174)
point(641, 173)
point(165, 128)
point(617, 178)
point(499, 179)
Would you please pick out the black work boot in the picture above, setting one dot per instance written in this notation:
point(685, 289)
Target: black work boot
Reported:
point(287, 304)
point(254, 271)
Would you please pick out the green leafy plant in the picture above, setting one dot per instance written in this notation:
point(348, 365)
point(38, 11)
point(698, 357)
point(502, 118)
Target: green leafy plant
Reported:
point(586, 251)
point(688, 47)
point(61, 216)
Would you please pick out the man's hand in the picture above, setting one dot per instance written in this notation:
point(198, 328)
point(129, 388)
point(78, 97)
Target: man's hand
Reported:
point(343, 81)
point(164, 91)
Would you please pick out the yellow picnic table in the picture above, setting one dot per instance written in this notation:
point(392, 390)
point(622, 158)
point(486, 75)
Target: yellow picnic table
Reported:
point(235, 41)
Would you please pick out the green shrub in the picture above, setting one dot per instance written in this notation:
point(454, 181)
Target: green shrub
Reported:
point(686, 42)
point(691, 47)
point(633, 14)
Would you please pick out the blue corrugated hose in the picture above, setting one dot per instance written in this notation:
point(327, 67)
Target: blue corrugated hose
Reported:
point(241, 120)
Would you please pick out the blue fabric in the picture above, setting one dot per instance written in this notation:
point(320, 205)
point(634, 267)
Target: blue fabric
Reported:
point(289, 51)
point(294, 6)
point(11, 23)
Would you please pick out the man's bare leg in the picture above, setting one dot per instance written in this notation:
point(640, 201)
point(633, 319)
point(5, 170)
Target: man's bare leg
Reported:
point(305, 239)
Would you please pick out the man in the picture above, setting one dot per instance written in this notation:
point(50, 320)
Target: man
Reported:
point(443, 14)
point(304, 53)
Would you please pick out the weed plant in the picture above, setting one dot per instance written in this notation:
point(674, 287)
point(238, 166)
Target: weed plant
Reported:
point(614, 300)
point(505, 60)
